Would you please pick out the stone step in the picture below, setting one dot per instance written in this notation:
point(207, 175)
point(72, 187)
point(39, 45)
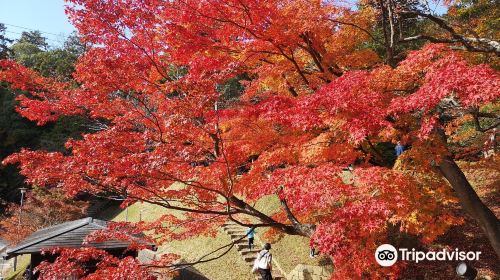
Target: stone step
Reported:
point(241, 246)
point(249, 258)
point(247, 251)
point(238, 237)
point(239, 240)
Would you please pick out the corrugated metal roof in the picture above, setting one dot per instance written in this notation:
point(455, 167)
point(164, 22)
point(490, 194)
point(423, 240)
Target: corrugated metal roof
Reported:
point(66, 235)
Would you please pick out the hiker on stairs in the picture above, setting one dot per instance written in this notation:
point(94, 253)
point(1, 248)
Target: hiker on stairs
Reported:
point(264, 262)
point(250, 234)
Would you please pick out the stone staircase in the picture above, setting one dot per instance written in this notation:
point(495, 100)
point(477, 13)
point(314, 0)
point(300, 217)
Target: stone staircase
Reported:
point(237, 234)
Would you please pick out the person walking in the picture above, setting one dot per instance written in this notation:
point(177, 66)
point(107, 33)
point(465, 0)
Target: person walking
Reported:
point(264, 262)
point(312, 252)
point(250, 234)
point(28, 274)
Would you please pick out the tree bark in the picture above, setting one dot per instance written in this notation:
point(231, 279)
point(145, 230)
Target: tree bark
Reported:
point(296, 228)
point(306, 230)
point(389, 50)
point(471, 202)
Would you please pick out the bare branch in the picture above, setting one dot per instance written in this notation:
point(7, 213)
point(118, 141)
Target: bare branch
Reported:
point(488, 45)
point(356, 26)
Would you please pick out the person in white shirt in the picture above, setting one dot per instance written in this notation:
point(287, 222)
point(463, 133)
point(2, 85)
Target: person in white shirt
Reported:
point(265, 262)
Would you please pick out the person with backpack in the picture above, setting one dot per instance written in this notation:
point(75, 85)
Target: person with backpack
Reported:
point(264, 263)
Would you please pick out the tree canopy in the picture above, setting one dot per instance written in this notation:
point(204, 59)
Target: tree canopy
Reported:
point(321, 86)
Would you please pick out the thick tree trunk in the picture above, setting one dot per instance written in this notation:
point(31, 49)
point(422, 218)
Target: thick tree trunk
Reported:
point(471, 202)
point(295, 228)
point(388, 36)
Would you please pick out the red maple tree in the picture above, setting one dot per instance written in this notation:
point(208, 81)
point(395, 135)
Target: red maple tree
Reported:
point(317, 100)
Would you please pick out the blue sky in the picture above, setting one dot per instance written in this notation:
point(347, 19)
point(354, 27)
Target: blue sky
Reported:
point(48, 16)
point(45, 15)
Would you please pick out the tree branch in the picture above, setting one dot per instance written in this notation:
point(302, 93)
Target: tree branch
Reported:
point(489, 46)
